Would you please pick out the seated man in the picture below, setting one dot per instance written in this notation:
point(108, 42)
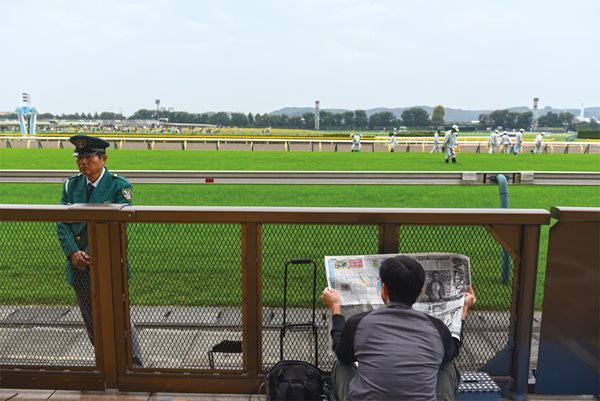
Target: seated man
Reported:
point(402, 354)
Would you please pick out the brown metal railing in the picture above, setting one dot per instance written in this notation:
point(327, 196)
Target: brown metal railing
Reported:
point(240, 251)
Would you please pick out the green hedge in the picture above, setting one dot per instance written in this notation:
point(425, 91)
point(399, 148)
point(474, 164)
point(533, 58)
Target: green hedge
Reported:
point(588, 133)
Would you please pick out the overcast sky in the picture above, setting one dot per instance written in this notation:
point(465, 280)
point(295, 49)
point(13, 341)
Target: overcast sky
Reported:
point(259, 56)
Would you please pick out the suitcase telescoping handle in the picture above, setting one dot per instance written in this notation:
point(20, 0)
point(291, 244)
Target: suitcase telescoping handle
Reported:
point(311, 326)
point(301, 261)
point(285, 285)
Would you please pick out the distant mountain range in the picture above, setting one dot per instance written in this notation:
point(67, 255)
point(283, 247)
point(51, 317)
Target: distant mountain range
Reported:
point(451, 115)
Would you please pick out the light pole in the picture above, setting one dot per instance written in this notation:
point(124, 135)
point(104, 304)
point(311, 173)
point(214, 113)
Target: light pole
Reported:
point(534, 123)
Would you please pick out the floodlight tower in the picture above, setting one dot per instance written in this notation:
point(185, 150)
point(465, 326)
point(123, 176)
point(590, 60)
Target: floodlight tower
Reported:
point(534, 122)
point(317, 117)
point(157, 103)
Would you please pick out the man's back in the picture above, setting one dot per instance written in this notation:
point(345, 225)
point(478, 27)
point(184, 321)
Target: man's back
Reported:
point(449, 138)
point(399, 352)
point(538, 139)
point(518, 138)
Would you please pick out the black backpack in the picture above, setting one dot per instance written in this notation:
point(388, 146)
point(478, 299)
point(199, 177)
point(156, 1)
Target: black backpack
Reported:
point(295, 380)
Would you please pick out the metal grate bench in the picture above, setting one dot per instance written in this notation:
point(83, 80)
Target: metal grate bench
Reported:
point(477, 386)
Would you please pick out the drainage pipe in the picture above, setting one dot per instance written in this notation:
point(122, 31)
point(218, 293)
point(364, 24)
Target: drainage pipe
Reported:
point(503, 186)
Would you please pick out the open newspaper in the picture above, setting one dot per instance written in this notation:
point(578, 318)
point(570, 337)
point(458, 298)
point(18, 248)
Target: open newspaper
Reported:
point(447, 277)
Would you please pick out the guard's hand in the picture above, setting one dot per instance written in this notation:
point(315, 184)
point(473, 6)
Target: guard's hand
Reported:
point(331, 299)
point(80, 260)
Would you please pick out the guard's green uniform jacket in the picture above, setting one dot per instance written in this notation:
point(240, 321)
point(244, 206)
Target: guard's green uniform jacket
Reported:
point(73, 236)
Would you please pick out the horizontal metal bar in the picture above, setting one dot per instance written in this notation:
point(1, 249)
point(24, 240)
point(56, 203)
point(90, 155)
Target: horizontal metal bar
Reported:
point(65, 213)
point(575, 213)
point(210, 383)
point(315, 177)
point(60, 380)
point(280, 215)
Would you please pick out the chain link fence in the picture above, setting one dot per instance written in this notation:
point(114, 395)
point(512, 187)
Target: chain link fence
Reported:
point(186, 294)
point(40, 322)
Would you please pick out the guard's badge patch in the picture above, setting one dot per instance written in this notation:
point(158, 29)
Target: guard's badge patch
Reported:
point(80, 144)
point(127, 193)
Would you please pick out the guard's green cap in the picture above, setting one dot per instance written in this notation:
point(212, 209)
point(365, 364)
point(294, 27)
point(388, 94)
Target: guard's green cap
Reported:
point(88, 145)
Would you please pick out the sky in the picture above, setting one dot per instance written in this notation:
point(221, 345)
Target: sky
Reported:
point(259, 56)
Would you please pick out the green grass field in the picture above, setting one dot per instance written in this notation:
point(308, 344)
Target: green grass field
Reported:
point(185, 248)
point(521, 196)
point(288, 161)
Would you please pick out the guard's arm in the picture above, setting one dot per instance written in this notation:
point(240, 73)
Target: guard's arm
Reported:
point(65, 234)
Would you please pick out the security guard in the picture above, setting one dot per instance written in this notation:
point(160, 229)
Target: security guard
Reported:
point(94, 184)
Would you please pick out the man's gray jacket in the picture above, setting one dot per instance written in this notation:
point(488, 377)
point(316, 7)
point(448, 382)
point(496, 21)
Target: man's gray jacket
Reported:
point(399, 351)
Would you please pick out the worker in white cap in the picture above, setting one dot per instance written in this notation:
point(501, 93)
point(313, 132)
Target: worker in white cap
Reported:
point(493, 142)
point(537, 144)
point(355, 142)
point(450, 143)
point(506, 143)
point(518, 142)
point(436, 143)
point(393, 142)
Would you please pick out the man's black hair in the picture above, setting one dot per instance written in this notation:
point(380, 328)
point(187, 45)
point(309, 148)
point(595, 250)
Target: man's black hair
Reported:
point(404, 277)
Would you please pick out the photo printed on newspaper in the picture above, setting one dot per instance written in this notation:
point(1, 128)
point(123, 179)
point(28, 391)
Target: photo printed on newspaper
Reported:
point(447, 277)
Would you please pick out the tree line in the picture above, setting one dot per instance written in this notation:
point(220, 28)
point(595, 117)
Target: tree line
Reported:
point(415, 117)
point(510, 119)
point(347, 120)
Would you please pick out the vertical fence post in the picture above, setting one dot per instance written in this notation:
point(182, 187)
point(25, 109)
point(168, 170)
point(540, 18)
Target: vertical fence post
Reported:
point(525, 307)
point(102, 301)
point(389, 238)
point(120, 285)
point(252, 300)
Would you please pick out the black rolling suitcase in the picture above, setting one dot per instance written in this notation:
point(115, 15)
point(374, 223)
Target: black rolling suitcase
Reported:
point(293, 379)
